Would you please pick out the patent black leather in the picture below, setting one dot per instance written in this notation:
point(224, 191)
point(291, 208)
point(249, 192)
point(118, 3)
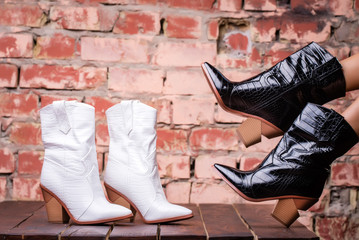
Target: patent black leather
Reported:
point(300, 163)
point(279, 94)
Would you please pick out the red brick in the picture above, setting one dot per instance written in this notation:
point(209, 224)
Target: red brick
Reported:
point(2, 188)
point(339, 52)
point(138, 22)
point(21, 15)
point(84, 18)
point(114, 50)
point(347, 32)
point(356, 5)
point(213, 192)
point(100, 161)
point(204, 165)
point(342, 7)
point(308, 6)
point(16, 45)
point(214, 139)
point(184, 54)
point(5, 123)
point(26, 188)
point(30, 162)
point(18, 105)
point(249, 162)
point(331, 227)
point(264, 29)
point(48, 99)
point(106, 1)
point(260, 5)
point(101, 104)
point(185, 82)
point(57, 46)
point(191, 4)
point(222, 116)
point(144, 2)
point(135, 81)
point(299, 29)
point(183, 26)
point(174, 167)
point(230, 5)
point(238, 42)
point(61, 77)
point(277, 53)
point(7, 163)
point(345, 174)
point(26, 133)
point(265, 146)
point(102, 136)
point(172, 140)
point(213, 30)
point(164, 109)
point(200, 112)
point(178, 192)
point(8, 75)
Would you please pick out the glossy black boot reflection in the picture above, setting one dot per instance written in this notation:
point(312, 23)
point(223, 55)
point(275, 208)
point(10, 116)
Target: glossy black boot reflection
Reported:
point(296, 170)
point(276, 97)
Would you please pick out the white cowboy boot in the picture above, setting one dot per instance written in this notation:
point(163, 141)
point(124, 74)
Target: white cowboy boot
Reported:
point(70, 180)
point(131, 171)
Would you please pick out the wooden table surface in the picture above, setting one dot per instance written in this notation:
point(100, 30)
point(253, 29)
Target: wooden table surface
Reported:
point(28, 220)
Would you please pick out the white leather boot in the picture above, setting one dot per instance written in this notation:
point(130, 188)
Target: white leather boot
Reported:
point(131, 171)
point(70, 180)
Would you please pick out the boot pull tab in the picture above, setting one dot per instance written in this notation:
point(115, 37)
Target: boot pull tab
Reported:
point(127, 110)
point(61, 116)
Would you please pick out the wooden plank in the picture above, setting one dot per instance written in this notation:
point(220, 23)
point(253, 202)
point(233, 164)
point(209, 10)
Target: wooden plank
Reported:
point(12, 213)
point(222, 222)
point(90, 232)
point(186, 229)
point(36, 227)
point(265, 227)
point(136, 230)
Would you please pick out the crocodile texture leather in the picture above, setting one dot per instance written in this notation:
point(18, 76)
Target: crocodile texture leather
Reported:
point(279, 94)
point(300, 163)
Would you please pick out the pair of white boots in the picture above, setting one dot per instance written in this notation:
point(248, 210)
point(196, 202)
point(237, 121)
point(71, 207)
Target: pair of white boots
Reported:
point(70, 180)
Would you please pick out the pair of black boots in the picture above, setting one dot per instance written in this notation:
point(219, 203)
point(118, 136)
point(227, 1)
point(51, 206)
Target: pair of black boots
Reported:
point(284, 99)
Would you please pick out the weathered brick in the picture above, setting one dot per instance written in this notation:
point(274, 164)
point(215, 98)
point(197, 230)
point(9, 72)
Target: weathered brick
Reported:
point(138, 22)
point(342, 7)
point(21, 15)
point(30, 162)
point(185, 82)
point(178, 192)
point(135, 81)
point(264, 29)
point(238, 42)
point(171, 140)
point(222, 116)
point(265, 146)
point(48, 99)
point(339, 52)
point(16, 45)
point(114, 50)
point(5, 122)
point(8, 75)
point(102, 136)
point(144, 2)
point(213, 193)
point(184, 54)
point(61, 77)
point(173, 166)
point(26, 188)
point(101, 104)
point(214, 139)
point(26, 133)
point(299, 29)
point(309, 6)
point(7, 163)
point(249, 162)
point(230, 5)
point(212, 30)
point(260, 5)
point(58, 46)
point(277, 53)
point(331, 227)
point(18, 105)
point(347, 32)
point(201, 111)
point(183, 26)
point(164, 109)
point(204, 165)
point(345, 174)
point(2, 188)
point(191, 4)
point(84, 18)
point(356, 5)
point(107, 1)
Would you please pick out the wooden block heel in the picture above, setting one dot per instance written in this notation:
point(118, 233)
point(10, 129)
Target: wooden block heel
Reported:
point(116, 198)
point(251, 130)
point(56, 213)
point(286, 210)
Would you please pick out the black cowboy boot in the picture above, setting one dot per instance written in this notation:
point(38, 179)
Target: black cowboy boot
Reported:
point(277, 96)
point(296, 170)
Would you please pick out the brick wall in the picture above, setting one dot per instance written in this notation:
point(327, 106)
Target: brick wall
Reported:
point(102, 51)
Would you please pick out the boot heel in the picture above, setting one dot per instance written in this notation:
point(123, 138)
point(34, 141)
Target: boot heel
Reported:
point(251, 130)
point(116, 198)
point(286, 210)
point(56, 213)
